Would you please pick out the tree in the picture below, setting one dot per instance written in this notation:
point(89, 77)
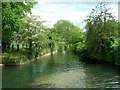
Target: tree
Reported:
point(101, 32)
point(12, 13)
point(53, 39)
point(116, 46)
point(32, 32)
point(62, 28)
point(76, 35)
point(68, 32)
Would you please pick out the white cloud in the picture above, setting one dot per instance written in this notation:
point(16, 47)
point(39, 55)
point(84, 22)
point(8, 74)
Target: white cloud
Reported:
point(76, 0)
point(74, 12)
point(53, 12)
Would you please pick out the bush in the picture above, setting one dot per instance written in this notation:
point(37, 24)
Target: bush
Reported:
point(11, 59)
point(79, 47)
point(117, 55)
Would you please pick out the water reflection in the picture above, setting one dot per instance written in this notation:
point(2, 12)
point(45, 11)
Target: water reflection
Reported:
point(62, 70)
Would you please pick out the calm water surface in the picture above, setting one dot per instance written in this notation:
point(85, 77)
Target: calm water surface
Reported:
point(62, 70)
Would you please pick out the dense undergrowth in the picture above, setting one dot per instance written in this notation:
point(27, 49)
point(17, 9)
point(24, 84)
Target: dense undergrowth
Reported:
point(30, 38)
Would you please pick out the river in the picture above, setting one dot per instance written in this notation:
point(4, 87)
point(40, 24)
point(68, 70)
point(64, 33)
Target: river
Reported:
point(62, 70)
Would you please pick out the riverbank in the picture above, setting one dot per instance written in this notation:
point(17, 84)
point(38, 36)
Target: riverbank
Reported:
point(85, 57)
point(89, 60)
point(1, 65)
point(17, 61)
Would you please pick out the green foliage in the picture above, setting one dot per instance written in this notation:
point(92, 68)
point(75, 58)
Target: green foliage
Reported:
point(32, 28)
point(32, 33)
point(10, 59)
point(80, 46)
point(100, 41)
point(116, 49)
point(12, 13)
point(75, 35)
point(15, 57)
point(101, 33)
point(68, 32)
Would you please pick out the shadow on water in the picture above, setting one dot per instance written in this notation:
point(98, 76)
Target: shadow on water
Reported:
point(61, 70)
point(101, 74)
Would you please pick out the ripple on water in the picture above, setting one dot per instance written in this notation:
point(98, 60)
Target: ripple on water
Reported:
point(62, 80)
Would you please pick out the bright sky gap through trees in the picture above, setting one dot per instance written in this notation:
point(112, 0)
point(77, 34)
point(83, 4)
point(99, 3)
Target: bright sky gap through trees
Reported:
point(74, 11)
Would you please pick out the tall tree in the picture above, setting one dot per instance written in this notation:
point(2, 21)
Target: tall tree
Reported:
point(32, 32)
point(12, 13)
point(101, 32)
point(68, 32)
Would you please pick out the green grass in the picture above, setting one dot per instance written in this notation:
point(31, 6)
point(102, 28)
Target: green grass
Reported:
point(20, 53)
point(12, 57)
point(15, 45)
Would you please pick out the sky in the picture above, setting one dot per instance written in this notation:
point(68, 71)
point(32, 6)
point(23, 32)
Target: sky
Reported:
point(73, 10)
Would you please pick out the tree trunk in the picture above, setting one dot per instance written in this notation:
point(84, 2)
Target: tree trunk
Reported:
point(51, 45)
point(30, 47)
point(18, 47)
point(12, 47)
point(36, 53)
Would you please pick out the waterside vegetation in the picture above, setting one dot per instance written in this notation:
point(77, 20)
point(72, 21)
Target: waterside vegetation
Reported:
point(25, 36)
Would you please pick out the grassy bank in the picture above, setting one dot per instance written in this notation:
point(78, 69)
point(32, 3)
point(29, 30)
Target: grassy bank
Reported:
point(21, 57)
